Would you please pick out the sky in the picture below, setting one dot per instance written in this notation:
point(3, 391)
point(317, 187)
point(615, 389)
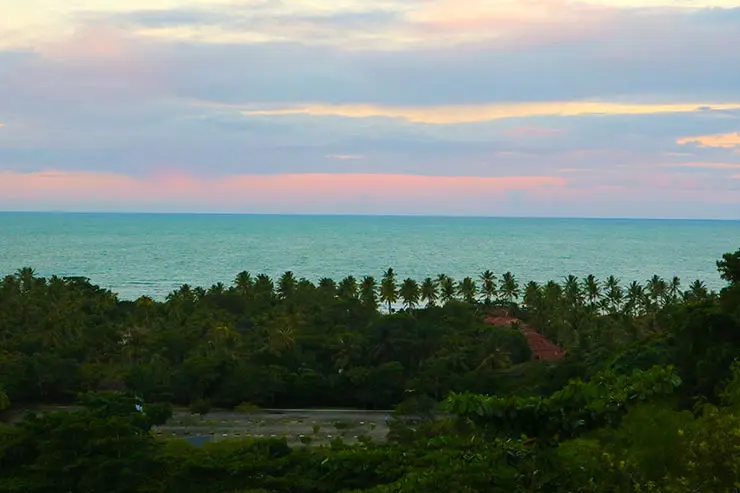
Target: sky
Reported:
point(598, 108)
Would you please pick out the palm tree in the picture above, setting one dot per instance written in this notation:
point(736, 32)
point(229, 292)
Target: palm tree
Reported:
point(614, 294)
point(286, 285)
point(447, 290)
point(388, 289)
point(244, 283)
point(281, 334)
point(572, 290)
point(593, 290)
point(26, 278)
point(409, 293)
point(611, 283)
point(348, 288)
point(553, 293)
point(488, 286)
point(674, 289)
point(697, 291)
point(441, 278)
point(217, 289)
point(635, 299)
point(509, 287)
point(328, 287)
point(467, 290)
point(532, 294)
point(179, 300)
point(264, 287)
point(429, 291)
point(369, 292)
point(657, 290)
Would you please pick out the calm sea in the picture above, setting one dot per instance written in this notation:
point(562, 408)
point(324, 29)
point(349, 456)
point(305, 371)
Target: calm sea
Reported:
point(151, 254)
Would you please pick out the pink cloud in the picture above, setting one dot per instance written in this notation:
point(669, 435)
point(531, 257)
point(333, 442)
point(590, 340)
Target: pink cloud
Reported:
point(293, 192)
point(519, 21)
point(92, 43)
point(708, 165)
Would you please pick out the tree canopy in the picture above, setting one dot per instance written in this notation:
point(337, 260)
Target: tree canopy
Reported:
point(646, 398)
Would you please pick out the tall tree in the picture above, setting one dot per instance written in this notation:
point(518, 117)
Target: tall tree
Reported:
point(217, 289)
point(441, 279)
point(572, 291)
point(657, 291)
point(635, 299)
point(532, 295)
point(488, 286)
point(244, 283)
point(348, 288)
point(26, 277)
point(389, 289)
point(286, 285)
point(409, 293)
point(729, 267)
point(592, 289)
point(697, 291)
point(447, 290)
point(467, 290)
point(509, 287)
point(327, 288)
point(369, 292)
point(264, 287)
point(674, 289)
point(614, 294)
point(429, 291)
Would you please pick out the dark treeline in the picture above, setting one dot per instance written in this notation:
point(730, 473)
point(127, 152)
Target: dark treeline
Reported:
point(647, 398)
point(291, 343)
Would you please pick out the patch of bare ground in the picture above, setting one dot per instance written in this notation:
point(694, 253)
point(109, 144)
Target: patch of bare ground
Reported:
point(296, 426)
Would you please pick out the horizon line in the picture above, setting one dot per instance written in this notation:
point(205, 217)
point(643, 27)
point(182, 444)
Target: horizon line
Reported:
point(355, 214)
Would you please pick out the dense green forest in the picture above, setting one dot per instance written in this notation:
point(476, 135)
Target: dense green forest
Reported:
point(647, 397)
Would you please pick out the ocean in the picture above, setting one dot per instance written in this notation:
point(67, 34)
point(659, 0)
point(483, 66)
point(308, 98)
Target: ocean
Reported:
point(153, 254)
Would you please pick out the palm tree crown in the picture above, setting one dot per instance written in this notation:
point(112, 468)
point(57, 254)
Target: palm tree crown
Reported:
point(388, 289)
point(488, 286)
point(409, 293)
point(429, 291)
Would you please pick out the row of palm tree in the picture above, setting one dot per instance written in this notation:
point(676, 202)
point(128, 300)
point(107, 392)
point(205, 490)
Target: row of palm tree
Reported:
point(610, 297)
point(606, 297)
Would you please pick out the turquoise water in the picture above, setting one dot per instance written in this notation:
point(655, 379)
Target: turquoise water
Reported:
point(137, 254)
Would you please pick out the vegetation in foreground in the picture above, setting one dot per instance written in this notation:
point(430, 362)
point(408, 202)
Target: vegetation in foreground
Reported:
point(646, 399)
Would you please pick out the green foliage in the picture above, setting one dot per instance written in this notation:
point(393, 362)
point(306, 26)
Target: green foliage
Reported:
point(4, 400)
point(246, 407)
point(201, 407)
point(729, 267)
point(101, 448)
point(580, 406)
point(292, 345)
point(646, 400)
point(157, 413)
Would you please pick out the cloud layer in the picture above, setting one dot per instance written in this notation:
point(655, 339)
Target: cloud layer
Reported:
point(483, 107)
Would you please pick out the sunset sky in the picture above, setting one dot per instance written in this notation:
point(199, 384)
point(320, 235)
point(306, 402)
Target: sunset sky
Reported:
point(607, 108)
